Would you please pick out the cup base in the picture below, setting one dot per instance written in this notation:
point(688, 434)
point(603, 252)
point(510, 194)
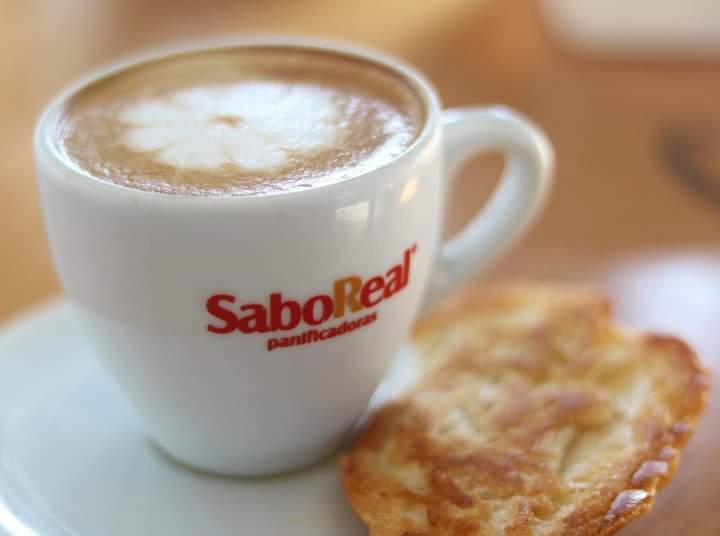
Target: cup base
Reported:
point(299, 461)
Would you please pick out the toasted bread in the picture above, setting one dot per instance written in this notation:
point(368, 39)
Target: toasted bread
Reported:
point(536, 417)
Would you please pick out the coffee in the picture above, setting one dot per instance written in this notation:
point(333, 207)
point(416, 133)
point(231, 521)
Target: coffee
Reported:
point(240, 121)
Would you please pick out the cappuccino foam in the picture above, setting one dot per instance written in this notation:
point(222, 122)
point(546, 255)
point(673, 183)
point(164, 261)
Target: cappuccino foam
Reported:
point(240, 121)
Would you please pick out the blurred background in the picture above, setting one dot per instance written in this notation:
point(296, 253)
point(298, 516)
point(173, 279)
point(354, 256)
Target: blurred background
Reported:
point(626, 89)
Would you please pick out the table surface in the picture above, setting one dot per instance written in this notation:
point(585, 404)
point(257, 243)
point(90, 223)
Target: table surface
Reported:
point(636, 209)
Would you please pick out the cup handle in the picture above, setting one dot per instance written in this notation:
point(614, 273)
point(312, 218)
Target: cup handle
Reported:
point(515, 203)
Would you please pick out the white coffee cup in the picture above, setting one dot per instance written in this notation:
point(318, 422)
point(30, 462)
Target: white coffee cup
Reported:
point(161, 281)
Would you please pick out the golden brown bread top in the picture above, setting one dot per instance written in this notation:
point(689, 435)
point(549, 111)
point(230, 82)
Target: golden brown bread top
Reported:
point(536, 418)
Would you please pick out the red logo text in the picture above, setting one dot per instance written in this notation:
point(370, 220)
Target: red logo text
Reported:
point(278, 313)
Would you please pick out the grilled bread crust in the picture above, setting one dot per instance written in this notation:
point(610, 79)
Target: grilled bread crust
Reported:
point(535, 417)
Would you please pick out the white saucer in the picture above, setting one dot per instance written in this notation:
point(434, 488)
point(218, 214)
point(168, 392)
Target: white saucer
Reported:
point(74, 462)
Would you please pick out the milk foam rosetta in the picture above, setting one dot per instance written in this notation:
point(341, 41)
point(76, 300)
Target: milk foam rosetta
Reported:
point(240, 121)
